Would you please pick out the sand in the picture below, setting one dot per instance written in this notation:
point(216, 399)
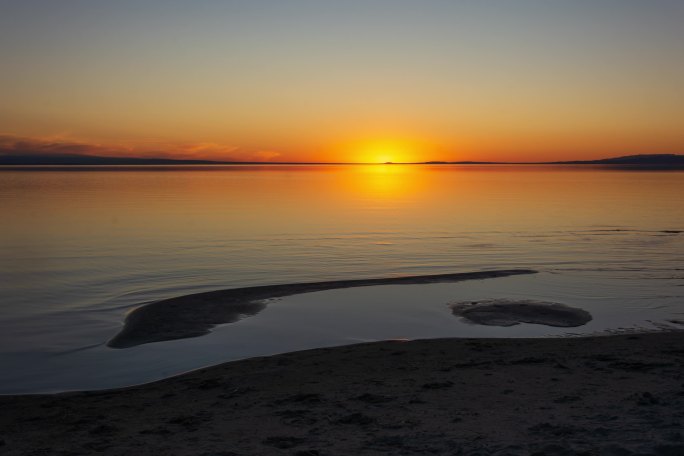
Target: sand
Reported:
point(194, 315)
point(615, 395)
point(507, 312)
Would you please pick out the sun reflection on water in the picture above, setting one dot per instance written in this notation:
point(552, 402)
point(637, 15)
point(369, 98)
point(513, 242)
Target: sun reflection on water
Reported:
point(384, 181)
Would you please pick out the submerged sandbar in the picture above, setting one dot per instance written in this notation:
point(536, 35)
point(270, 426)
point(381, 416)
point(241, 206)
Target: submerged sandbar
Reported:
point(507, 312)
point(195, 314)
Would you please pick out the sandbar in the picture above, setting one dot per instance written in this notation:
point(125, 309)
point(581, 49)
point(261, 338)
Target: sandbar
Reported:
point(509, 312)
point(195, 314)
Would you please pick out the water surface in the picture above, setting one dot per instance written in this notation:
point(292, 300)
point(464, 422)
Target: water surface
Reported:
point(81, 246)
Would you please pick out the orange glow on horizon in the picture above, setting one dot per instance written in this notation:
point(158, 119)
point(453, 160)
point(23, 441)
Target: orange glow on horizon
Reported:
point(386, 150)
point(287, 82)
point(381, 148)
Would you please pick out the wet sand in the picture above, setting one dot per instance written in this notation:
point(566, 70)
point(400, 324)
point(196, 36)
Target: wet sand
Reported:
point(614, 395)
point(194, 315)
point(508, 312)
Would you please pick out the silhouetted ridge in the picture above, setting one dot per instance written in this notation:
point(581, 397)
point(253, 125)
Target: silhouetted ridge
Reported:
point(657, 160)
point(644, 159)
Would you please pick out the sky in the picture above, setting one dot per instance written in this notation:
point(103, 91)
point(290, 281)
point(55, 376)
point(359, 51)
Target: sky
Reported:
point(343, 81)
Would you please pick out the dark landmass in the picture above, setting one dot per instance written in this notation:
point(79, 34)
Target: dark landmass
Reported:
point(650, 159)
point(647, 160)
point(655, 160)
point(507, 312)
point(464, 163)
point(605, 396)
point(194, 315)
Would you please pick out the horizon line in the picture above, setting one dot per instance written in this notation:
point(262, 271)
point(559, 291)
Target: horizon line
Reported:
point(99, 160)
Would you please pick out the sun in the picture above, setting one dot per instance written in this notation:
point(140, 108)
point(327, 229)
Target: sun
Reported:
point(383, 151)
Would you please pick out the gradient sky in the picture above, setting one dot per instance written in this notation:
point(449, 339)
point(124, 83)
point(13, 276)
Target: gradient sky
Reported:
point(374, 80)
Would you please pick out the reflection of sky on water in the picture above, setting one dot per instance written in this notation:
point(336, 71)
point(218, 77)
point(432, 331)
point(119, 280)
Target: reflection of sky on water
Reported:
point(83, 247)
point(339, 317)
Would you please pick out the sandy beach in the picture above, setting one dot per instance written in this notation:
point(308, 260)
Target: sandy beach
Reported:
point(611, 395)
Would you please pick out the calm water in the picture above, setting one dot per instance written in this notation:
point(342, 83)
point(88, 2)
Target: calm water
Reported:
point(80, 247)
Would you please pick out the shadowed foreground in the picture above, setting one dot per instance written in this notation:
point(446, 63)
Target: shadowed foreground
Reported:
point(617, 395)
point(194, 315)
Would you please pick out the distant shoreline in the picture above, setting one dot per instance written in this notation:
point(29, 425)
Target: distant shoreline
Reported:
point(665, 160)
point(219, 166)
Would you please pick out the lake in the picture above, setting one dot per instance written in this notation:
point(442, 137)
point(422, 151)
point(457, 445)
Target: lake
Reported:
point(81, 246)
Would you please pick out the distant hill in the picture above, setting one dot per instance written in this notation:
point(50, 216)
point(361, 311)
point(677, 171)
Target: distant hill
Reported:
point(650, 159)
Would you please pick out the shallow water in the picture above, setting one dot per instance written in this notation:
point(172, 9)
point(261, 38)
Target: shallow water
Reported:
point(79, 247)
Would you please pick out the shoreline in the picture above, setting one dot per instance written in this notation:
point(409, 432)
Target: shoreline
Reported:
point(612, 395)
point(196, 314)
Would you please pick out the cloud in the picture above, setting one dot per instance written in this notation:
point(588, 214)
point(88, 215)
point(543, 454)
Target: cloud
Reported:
point(61, 145)
point(202, 150)
point(265, 155)
point(18, 145)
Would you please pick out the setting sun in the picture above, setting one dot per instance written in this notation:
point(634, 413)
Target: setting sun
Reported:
point(386, 150)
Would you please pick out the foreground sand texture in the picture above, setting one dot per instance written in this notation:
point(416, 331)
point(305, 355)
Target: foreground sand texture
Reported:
point(616, 395)
point(194, 315)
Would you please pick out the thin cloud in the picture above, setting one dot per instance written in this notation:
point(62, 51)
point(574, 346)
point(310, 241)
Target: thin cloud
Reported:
point(18, 145)
point(265, 155)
